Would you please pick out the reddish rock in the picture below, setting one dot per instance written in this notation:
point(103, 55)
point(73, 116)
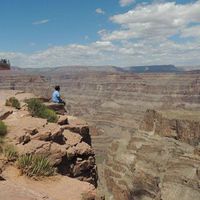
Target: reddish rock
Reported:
point(58, 107)
point(82, 130)
point(63, 120)
point(5, 112)
point(71, 138)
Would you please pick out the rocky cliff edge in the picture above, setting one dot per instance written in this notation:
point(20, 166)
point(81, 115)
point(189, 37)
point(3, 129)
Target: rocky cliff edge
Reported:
point(158, 162)
point(66, 144)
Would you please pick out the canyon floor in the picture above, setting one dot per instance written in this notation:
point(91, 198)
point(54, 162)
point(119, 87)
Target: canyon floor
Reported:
point(144, 127)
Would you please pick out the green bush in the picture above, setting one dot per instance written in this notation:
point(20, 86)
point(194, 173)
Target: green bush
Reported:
point(35, 165)
point(3, 129)
point(12, 101)
point(50, 115)
point(10, 152)
point(38, 109)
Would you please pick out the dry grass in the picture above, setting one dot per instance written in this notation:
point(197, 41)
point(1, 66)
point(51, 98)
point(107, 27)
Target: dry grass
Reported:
point(10, 152)
point(35, 165)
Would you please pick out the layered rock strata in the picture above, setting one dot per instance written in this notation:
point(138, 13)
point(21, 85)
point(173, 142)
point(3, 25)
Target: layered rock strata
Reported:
point(152, 167)
point(112, 102)
point(182, 125)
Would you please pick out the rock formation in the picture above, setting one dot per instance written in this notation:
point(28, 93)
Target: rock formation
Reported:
point(114, 102)
point(182, 125)
point(152, 167)
point(66, 144)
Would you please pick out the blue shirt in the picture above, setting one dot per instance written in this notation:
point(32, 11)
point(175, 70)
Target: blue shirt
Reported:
point(56, 97)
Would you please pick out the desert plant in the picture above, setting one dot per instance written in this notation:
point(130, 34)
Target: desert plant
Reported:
point(35, 165)
point(38, 109)
point(50, 115)
point(25, 161)
point(3, 129)
point(10, 152)
point(12, 101)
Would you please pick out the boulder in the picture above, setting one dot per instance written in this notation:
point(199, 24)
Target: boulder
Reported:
point(63, 120)
point(57, 107)
point(53, 151)
point(50, 132)
point(71, 138)
point(5, 112)
point(81, 149)
point(80, 127)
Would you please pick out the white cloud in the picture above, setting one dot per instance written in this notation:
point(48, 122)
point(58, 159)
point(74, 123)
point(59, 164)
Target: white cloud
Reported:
point(44, 21)
point(147, 34)
point(193, 31)
point(100, 11)
point(124, 3)
point(106, 53)
point(158, 20)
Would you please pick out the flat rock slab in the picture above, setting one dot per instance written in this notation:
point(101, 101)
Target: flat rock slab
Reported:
point(52, 188)
point(58, 107)
point(13, 191)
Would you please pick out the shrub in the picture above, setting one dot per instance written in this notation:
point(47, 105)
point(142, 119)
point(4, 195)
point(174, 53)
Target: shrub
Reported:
point(10, 152)
point(38, 109)
point(35, 165)
point(50, 115)
point(12, 101)
point(3, 129)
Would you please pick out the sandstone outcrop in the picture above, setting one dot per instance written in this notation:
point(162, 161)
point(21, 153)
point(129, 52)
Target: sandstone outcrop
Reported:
point(54, 188)
point(152, 167)
point(66, 144)
point(182, 125)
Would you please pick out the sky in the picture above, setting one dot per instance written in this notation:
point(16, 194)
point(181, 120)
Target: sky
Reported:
point(51, 33)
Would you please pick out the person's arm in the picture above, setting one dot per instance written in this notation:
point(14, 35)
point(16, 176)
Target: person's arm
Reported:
point(59, 98)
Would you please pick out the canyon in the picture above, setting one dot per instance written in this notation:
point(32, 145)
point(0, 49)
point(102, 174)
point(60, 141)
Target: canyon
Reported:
point(65, 143)
point(144, 127)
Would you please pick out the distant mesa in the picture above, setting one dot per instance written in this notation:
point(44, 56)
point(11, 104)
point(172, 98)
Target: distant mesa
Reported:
point(4, 64)
point(151, 69)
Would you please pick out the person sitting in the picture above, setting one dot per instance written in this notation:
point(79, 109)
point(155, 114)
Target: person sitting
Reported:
point(56, 95)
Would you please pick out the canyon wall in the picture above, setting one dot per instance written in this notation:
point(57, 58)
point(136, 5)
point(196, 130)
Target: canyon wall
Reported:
point(152, 167)
point(179, 124)
point(114, 103)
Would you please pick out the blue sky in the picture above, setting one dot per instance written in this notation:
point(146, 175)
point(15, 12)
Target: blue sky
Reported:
point(70, 21)
point(99, 32)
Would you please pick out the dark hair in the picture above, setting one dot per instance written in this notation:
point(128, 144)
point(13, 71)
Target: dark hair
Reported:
point(57, 87)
